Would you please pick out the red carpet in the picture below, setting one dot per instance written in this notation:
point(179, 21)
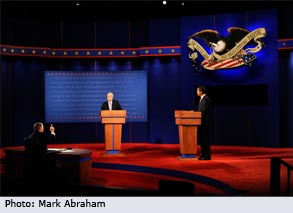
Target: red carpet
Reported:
point(142, 165)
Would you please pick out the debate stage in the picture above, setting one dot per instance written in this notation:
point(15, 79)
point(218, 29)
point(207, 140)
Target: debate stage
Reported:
point(144, 169)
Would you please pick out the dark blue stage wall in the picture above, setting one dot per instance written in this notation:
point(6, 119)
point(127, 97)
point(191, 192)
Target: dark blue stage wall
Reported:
point(255, 123)
point(171, 81)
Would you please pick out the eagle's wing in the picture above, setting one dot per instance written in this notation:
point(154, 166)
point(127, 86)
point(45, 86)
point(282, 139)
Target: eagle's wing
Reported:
point(207, 35)
point(236, 35)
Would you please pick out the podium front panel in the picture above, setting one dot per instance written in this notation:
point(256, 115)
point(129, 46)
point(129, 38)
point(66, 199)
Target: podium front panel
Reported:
point(113, 134)
point(113, 113)
point(189, 121)
point(113, 120)
point(188, 140)
point(187, 114)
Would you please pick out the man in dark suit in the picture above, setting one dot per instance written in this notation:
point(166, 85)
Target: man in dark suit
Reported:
point(111, 103)
point(39, 160)
point(204, 107)
point(38, 140)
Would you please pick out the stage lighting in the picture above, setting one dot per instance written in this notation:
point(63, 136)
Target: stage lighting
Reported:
point(164, 2)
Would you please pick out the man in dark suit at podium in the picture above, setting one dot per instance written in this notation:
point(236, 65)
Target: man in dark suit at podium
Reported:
point(204, 107)
point(111, 103)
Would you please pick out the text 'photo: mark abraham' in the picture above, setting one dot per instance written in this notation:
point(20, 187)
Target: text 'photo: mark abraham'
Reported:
point(53, 204)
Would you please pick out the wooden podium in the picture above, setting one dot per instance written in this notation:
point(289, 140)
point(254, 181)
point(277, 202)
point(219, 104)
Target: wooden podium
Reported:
point(188, 122)
point(113, 120)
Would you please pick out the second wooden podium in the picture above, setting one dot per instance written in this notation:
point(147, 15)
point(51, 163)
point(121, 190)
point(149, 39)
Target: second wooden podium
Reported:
point(187, 122)
point(113, 120)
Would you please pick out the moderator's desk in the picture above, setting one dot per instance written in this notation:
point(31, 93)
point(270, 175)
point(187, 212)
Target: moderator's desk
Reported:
point(77, 162)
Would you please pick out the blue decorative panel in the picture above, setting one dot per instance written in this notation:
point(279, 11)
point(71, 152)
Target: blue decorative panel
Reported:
point(78, 96)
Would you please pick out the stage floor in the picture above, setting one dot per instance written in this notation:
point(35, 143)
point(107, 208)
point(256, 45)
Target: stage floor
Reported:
point(233, 170)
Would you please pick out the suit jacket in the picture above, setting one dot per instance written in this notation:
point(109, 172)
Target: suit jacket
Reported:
point(204, 107)
point(39, 161)
point(115, 105)
point(36, 144)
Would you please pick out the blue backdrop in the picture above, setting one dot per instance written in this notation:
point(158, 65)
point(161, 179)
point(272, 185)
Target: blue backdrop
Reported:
point(78, 96)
